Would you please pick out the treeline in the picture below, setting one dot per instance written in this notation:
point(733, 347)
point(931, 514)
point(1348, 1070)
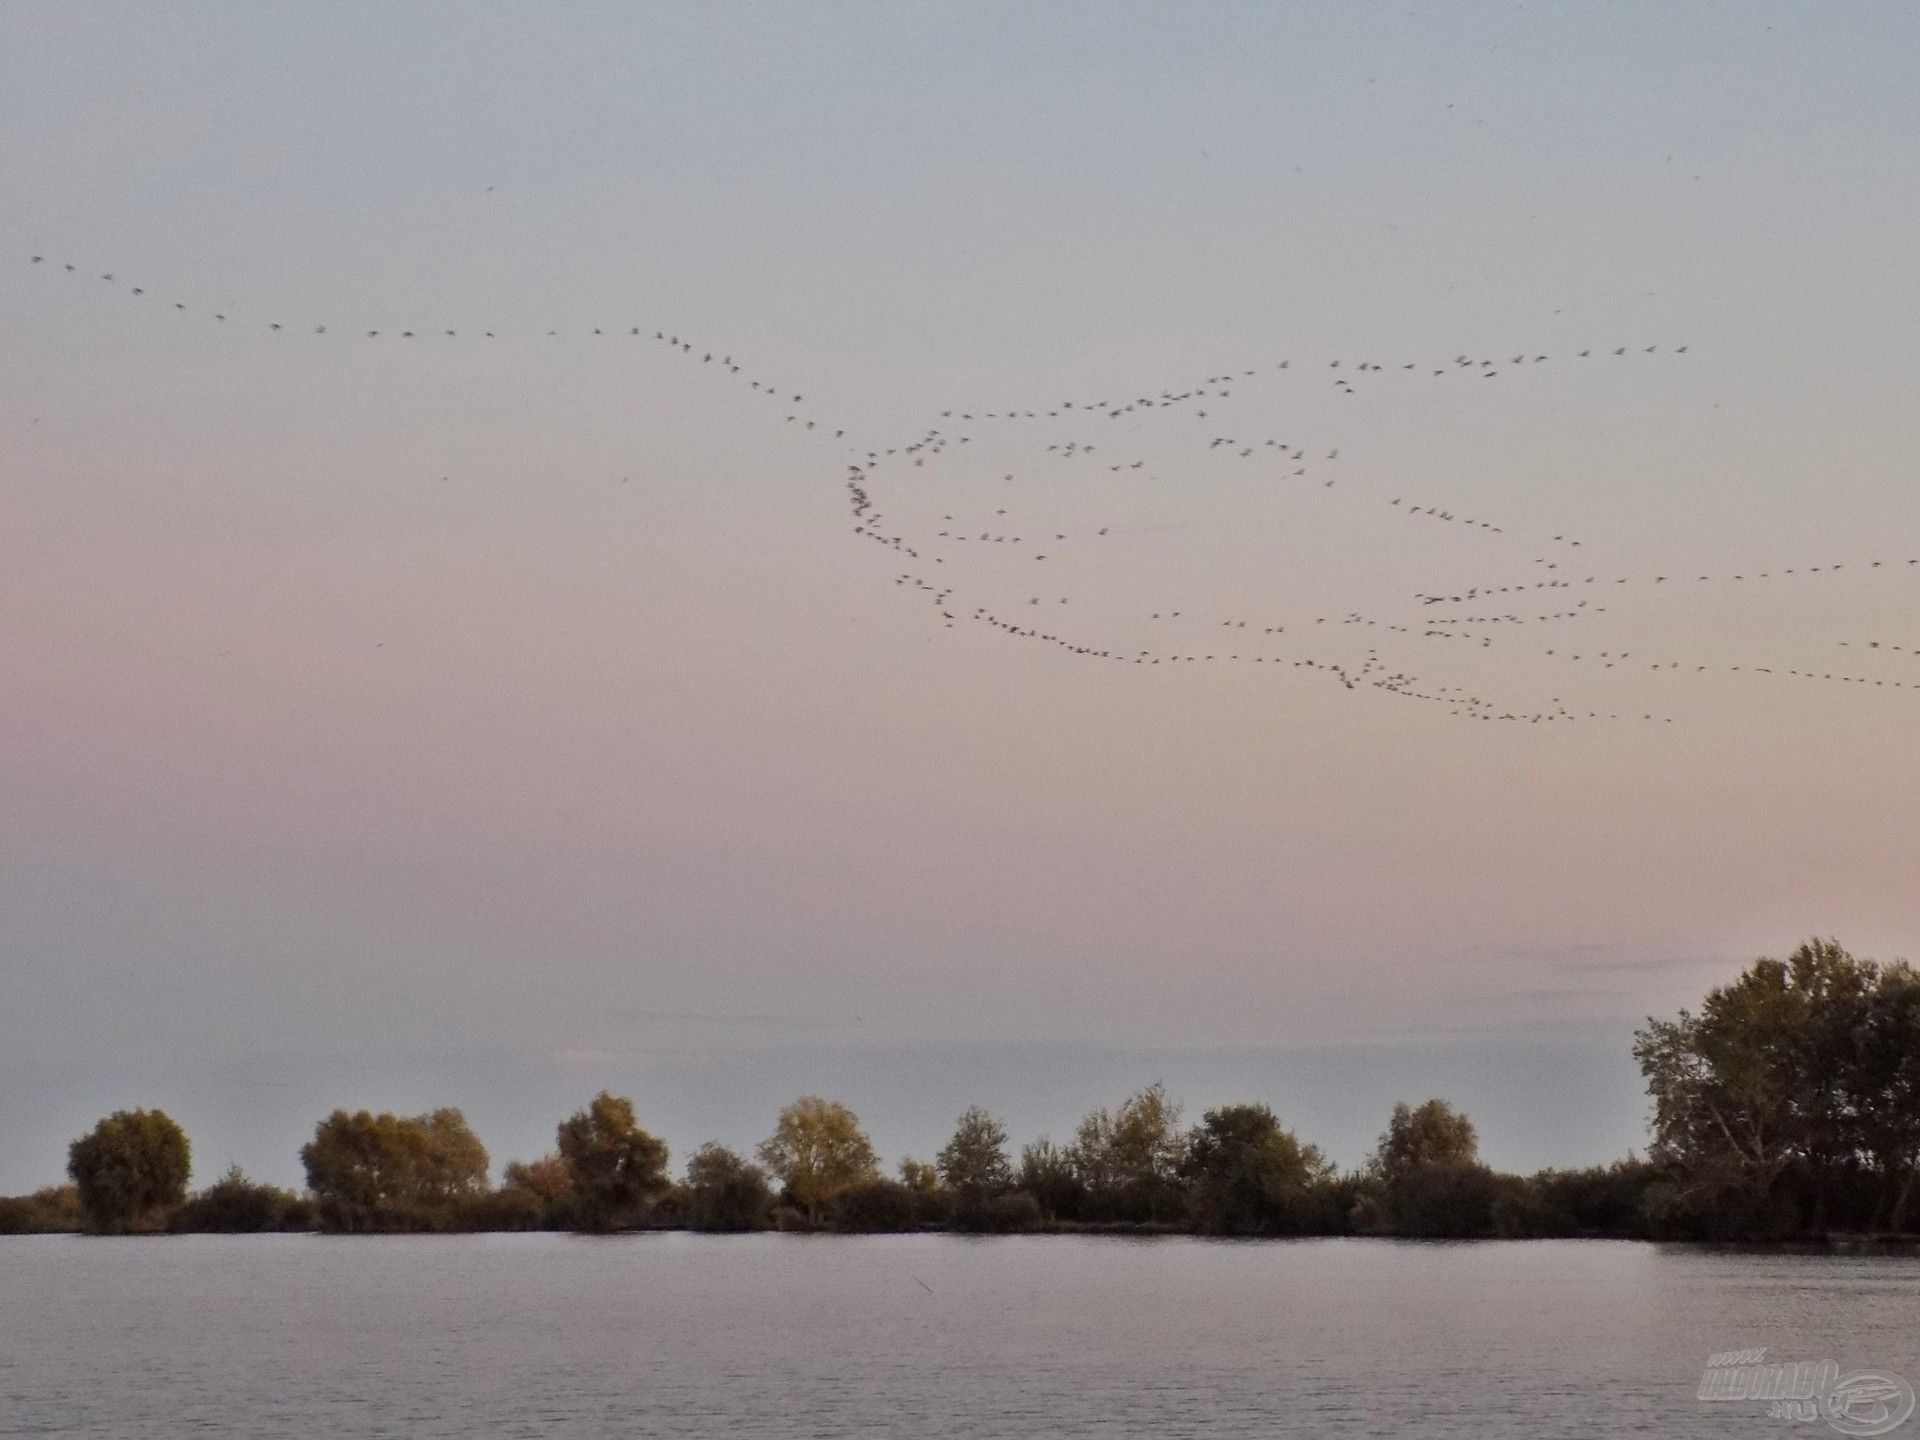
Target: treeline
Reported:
point(1789, 1106)
point(1237, 1172)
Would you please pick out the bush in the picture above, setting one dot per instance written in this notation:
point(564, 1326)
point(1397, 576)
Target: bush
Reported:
point(1599, 1200)
point(791, 1219)
point(540, 1188)
point(726, 1191)
point(874, 1205)
point(235, 1205)
point(1047, 1173)
point(1005, 1214)
point(54, 1210)
point(505, 1209)
point(934, 1205)
point(1442, 1201)
point(1704, 1205)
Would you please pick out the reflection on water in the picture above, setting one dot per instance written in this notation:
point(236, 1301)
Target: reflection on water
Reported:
point(772, 1335)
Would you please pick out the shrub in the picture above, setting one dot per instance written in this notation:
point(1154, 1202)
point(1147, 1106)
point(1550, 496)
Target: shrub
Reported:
point(726, 1191)
point(1438, 1200)
point(934, 1205)
point(505, 1209)
point(53, 1210)
point(1014, 1211)
point(1599, 1200)
point(543, 1188)
point(234, 1204)
point(874, 1205)
point(1048, 1173)
point(791, 1218)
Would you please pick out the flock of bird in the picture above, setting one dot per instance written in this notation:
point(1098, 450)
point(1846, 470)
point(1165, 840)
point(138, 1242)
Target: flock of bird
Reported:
point(990, 490)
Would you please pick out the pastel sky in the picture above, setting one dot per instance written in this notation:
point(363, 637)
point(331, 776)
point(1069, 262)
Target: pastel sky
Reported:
point(485, 723)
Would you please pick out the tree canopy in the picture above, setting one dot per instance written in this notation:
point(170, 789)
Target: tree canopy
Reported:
point(726, 1191)
point(393, 1171)
point(1248, 1176)
point(974, 1166)
point(1430, 1133)
point(616, 1167)
point(129, 1169)
point(818, 1149)
point(1792, 1098)
point(1129, 1159)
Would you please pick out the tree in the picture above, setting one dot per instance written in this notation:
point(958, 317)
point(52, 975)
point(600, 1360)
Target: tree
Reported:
point(130, 1168)
point(1832, 993)
point(450, 1163)
point(1432, 1133)
point(1885, 1104)
point(920, 1177)
point(616, 1166)
point(1598, 1200)
point(1250, 1177)
point(933, 1202)
point(541, 1190)
point(1048, 1173)
point(1432, 1182)
point(1440, 1200)
point(1129, 1159)
point(414, 1172)
point(818, 1149)
point(547, 1180)
point(726, 1191)
point(1792, 1095)
point(974, 1165)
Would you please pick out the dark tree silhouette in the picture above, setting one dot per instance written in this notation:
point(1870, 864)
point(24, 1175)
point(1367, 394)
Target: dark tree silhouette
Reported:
point(616, 1167)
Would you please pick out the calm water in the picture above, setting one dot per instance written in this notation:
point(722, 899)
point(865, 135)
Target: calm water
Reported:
point(913, 1336)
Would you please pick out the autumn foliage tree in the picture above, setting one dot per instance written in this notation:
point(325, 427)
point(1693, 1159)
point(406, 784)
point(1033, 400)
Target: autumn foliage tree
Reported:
point(398, 1172)
point(817, 1150)
point(129, 1170)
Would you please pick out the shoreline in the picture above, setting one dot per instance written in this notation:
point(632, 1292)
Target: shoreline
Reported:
point(1838, 1243)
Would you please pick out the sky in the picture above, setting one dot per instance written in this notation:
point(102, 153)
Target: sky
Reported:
point(487, 721)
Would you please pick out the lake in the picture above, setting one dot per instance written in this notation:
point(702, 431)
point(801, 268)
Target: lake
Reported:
point(936, 1335)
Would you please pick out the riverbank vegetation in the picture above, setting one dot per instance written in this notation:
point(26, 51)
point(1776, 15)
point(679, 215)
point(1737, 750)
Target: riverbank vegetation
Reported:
point(1787, 1107)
